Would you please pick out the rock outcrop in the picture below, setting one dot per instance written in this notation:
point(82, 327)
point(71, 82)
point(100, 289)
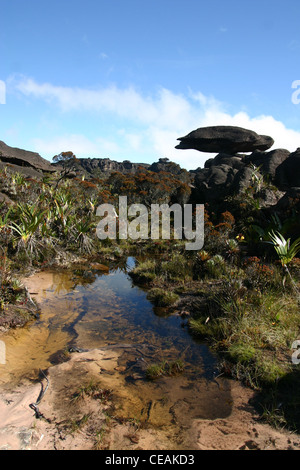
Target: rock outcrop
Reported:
point(227, 139)
point(287, 174)
point(165, 165)
point(232, 172)
point(96, 166)
point(24, 158)
point(268, 162)
point(242, 157)
point(227, 175)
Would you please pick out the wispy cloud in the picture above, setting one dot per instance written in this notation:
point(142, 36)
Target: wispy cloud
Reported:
point(153, 122)
point(103, 56)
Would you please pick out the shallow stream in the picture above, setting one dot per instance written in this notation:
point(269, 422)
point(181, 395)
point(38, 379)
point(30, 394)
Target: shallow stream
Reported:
point(91, 308)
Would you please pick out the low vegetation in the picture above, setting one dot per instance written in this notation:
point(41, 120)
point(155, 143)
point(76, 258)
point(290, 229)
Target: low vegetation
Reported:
point(164, 368)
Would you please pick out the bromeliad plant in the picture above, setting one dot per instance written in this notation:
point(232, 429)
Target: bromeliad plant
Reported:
point(286, 252)
point(83, 229)
point(30, 219)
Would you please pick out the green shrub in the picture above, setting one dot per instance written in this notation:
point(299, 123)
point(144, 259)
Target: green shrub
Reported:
point(162, 298)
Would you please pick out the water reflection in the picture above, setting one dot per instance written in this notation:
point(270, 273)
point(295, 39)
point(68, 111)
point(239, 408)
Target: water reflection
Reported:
point(95, 307)
point(92, 307)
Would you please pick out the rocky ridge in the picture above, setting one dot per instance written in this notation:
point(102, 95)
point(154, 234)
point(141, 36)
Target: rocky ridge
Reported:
point(242, 155)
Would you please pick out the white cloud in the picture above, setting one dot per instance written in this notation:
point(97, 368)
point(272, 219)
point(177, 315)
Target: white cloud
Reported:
point(155, 122)
point(80, 145)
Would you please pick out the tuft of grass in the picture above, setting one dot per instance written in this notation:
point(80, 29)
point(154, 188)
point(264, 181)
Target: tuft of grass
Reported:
point(162, 298)
point(144, 272)
point(177, 268)
point(76, 425)
point(241, 352)
point(164, 368)
point(91, 390)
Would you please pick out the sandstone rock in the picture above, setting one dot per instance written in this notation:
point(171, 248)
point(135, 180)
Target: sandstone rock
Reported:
point(236, 162)
point(228, 139)
point(24, 158)
point(215, 182)
point(4, 198)
point(243, 180)
point(268, 161)
point(269, 197)
point(26, 171)
point(288, 199)
point(287, 175)
point(164, 164)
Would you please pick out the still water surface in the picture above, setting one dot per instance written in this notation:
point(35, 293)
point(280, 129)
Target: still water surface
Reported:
point(89, 308)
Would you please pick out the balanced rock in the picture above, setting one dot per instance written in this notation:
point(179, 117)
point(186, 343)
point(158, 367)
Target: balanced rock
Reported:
point(225, 139)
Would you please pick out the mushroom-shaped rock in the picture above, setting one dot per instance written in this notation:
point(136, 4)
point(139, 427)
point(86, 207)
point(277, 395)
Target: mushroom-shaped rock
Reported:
point(226, 139)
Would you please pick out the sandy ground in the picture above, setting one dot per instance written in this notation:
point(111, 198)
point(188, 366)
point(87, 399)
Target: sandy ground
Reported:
point(75, 420)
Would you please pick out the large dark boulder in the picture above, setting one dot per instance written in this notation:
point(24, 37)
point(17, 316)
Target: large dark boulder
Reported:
point(236, 162)
point(268, 162)
point(288, 173)
point(214, 183)
point(242, 180)
point(289, 198)
point(24, 158)
point(225, 139)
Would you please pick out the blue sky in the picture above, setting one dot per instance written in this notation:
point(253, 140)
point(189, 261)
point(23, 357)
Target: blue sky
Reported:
point(125, 78)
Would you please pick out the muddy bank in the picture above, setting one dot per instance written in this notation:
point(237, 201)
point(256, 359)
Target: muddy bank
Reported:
point(88, 406)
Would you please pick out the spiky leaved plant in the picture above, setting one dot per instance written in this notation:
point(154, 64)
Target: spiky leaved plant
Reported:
point(286, 252)
point(30, 219)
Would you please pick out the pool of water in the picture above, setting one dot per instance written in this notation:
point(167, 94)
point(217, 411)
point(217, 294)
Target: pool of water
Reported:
point(91, 308)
